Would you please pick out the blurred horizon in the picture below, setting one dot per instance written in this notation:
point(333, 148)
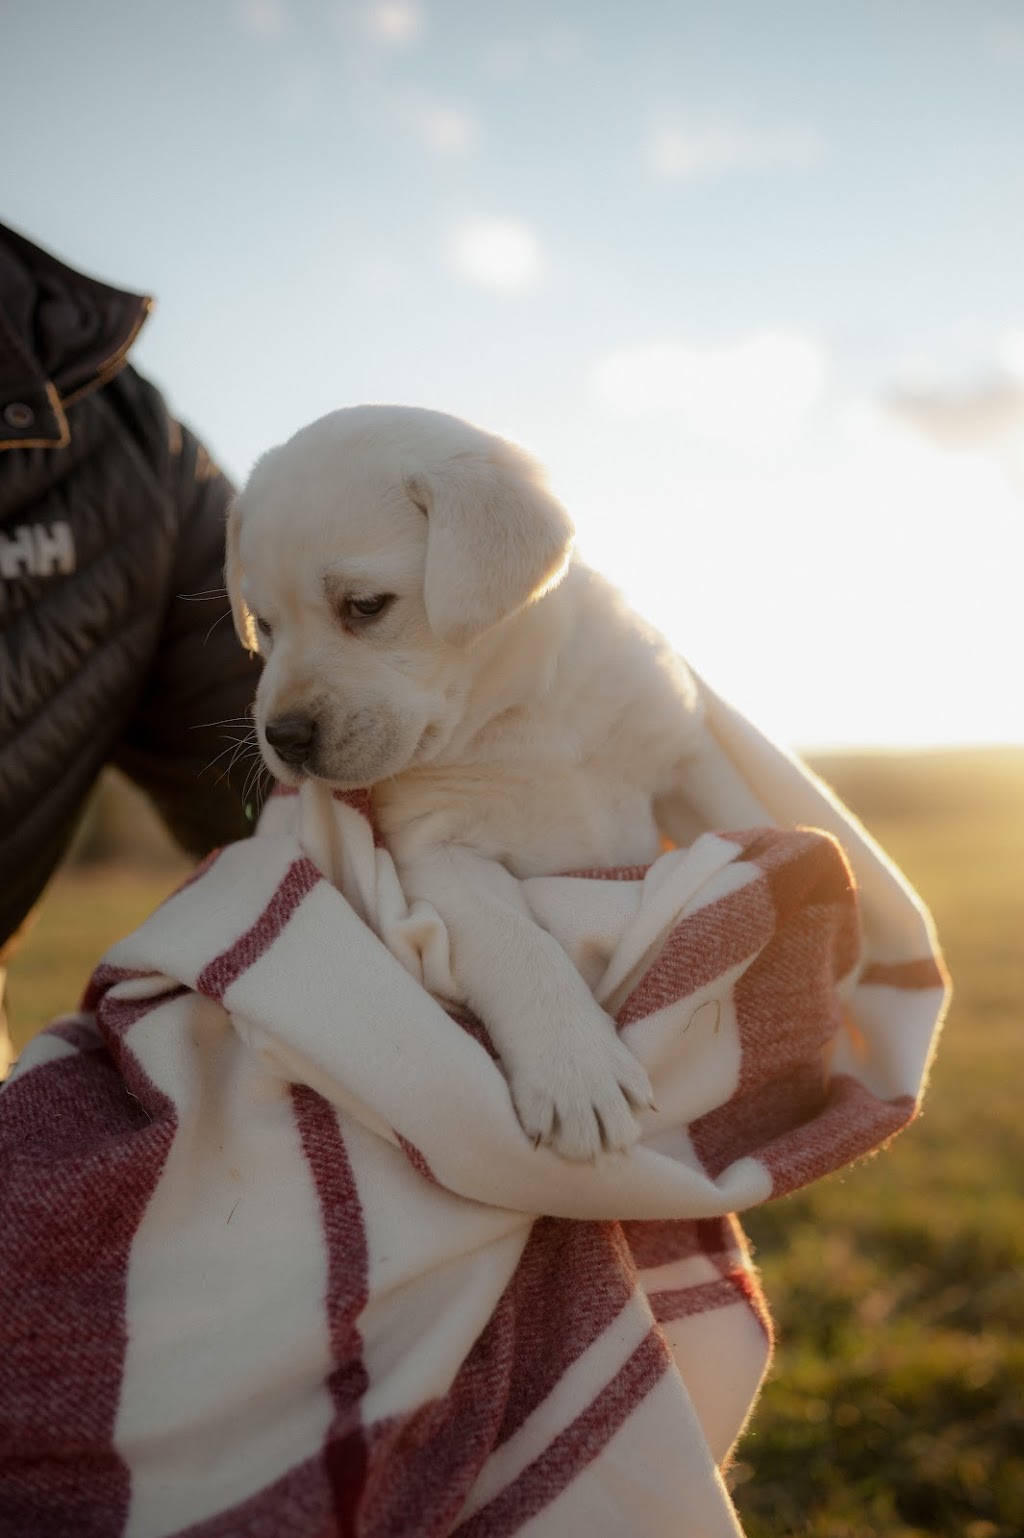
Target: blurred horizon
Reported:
point(746, 279)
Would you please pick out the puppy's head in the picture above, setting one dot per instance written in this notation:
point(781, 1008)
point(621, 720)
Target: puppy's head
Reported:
point(365, 559)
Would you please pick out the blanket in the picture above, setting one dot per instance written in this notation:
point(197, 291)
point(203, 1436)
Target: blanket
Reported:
point(278, 1260)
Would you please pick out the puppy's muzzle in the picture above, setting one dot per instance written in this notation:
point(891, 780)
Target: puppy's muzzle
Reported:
point(292, 738)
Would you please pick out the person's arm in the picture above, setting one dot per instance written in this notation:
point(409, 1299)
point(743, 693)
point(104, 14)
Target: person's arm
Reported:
point(190, 744)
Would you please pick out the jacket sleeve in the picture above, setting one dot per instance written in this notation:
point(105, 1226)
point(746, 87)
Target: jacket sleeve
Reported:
point(191, 745)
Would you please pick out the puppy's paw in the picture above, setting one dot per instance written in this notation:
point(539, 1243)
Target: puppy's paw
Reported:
point(579, 1102)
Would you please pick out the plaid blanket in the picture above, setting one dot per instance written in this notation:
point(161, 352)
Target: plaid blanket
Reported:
point(278, 1260)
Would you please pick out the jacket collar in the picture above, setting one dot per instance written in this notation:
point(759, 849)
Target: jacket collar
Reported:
point(61, 334)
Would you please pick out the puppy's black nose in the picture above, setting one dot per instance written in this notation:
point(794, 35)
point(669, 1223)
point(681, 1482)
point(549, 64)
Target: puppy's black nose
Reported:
point(291, 738)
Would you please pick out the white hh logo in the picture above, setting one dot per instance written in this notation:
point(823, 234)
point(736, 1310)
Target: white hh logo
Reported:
point(37, 550)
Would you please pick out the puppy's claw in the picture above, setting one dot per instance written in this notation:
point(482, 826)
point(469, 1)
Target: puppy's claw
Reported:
point(634, 1083)
point(640, 1100)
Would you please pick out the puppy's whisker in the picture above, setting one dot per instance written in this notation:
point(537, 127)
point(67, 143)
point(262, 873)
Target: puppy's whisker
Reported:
point(219, 620)
point(256, 774)
point(225, 774)
point(246, 739)
point(255, 787)
point(243, 721)
point(240, 749)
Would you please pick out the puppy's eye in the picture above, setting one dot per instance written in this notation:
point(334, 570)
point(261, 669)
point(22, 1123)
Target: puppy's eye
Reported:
point(372, 607)
point(264, 626)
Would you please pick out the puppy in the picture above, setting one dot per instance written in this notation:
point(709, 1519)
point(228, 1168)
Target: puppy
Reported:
point(427, 633)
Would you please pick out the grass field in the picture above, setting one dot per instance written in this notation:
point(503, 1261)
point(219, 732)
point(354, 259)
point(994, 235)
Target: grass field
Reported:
point(896, 1405)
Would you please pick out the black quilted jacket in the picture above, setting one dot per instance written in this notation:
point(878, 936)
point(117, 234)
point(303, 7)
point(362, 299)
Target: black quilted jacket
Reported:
point(111, 532)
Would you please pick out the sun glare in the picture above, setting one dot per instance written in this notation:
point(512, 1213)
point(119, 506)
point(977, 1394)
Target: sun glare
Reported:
point(836, 593)
point(755, 390)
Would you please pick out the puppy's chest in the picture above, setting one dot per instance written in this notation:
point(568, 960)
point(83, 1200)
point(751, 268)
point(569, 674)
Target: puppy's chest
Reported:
point(537, 819)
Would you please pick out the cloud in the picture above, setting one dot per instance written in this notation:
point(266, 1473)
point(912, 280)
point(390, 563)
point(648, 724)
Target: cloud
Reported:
point(977, 418)
point(497, 253)
point(394, 22)
point(986, 413)
point(756, 391)
point(443, 127)
point(262, 18)
point(984, 419)
point(679, 152)
point(1011, 354)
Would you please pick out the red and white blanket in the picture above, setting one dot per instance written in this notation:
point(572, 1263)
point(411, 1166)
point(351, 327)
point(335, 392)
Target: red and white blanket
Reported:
point(278, 1260)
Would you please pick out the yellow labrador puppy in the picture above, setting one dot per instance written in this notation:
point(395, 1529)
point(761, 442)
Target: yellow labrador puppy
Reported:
point(427, 633)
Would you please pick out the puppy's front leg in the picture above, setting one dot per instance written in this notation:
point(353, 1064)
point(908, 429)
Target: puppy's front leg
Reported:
point(572, 1079)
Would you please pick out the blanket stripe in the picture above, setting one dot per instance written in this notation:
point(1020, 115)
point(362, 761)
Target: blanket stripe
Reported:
point(285, 1263)
point(572, 1450)
point(218, 975)
point(922, 973)
point(62, 1365)
point(553, 1330)
point(345, 1454)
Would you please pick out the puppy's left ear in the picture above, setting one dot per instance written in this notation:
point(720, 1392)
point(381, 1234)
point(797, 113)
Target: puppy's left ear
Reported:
point(497, 539)
point(245, 627)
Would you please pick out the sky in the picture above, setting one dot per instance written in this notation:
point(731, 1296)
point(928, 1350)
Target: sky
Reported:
point(748, 278)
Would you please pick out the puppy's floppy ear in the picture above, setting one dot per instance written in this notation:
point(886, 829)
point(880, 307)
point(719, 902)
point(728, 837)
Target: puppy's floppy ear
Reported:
point(497, 537)
point(245, 628)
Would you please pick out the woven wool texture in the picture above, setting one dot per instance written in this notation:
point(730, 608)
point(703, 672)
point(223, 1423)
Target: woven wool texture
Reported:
point(279, 1259)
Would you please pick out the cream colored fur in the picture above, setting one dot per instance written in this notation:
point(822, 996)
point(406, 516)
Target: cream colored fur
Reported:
point(511, 715)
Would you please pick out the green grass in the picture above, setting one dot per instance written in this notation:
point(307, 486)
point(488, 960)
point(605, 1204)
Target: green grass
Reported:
point(896, 1404)
point(85, 910)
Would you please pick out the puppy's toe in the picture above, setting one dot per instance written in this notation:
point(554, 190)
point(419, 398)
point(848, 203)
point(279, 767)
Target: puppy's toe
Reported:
point(535, 1108)
point(583, 1116)
point(631, 1076)
point(618, 1128)
point(578, 1133)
